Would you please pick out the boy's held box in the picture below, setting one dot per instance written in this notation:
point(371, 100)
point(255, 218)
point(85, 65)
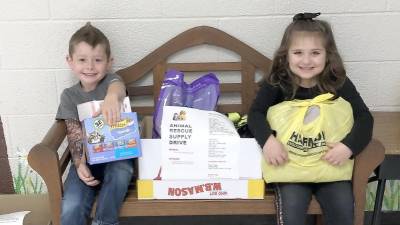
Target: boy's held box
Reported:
point(106, 143)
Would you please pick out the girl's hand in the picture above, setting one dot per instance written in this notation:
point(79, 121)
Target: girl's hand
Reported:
point(111, 109)
point(274, 152)
point(337, 154)
point(86, 176)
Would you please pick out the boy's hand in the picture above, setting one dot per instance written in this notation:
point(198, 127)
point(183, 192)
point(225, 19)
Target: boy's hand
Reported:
point(337, 154)
point(111, 109)
point(274, 152)
point(86, 176)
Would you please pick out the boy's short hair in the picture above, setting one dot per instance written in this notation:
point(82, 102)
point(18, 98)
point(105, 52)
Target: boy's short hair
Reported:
point(90, 35)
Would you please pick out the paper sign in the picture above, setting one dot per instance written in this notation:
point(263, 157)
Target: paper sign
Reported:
point(16, 218)
point(198, 144)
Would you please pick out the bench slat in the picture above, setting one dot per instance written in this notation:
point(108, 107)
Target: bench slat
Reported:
point(210, 66)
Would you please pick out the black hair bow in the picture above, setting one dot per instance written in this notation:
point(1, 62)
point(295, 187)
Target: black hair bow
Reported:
point(305, 16)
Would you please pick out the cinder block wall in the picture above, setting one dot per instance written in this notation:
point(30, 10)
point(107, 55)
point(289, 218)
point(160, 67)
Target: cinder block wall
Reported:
point(34, 36)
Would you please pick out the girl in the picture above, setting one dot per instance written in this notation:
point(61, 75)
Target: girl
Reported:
point(306, 65)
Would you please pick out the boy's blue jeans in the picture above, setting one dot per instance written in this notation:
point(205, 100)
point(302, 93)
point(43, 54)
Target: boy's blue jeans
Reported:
point(78, 198)
point(335, 198)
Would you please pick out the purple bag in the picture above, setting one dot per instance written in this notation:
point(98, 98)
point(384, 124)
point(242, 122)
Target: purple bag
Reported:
point(202, 94)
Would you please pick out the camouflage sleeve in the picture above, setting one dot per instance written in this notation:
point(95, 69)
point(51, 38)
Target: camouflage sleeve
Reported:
point(75, 137)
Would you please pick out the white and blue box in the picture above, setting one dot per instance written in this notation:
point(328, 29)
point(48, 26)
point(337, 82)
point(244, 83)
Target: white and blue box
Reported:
point(106, 143)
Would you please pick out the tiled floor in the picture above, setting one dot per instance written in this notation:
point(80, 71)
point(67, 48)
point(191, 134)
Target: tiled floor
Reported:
point(388, 218)
point(202, 220)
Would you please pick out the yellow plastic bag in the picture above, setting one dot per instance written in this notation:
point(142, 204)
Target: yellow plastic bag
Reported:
point(306, 141)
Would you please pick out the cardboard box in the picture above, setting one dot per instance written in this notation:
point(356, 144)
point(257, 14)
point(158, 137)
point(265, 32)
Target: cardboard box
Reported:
point(106, 143)
point(38, 204)
point(249, 186)
point(201, 189)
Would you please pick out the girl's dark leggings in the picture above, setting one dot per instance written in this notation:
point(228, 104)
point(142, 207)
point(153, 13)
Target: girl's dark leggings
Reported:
point(335, 198)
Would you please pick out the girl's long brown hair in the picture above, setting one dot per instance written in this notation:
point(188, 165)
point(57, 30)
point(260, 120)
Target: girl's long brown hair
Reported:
point(330, 79)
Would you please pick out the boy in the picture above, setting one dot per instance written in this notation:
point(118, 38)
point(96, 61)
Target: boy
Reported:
point(90, 59)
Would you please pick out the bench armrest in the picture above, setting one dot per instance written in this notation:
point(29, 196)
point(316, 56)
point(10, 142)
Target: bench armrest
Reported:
point(364, 165)
point(44, 159)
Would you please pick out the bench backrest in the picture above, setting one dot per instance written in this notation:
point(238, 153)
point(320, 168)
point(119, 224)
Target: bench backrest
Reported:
point(157, 64)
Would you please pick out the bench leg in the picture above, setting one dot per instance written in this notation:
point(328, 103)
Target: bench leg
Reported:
point(380, 191)
point(318, 220)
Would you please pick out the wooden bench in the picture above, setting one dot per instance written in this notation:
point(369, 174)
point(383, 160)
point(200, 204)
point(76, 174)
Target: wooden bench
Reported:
point(45, 160)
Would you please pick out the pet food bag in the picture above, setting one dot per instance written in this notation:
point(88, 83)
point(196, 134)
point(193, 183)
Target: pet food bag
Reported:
point(202, 94)
point(305, 127)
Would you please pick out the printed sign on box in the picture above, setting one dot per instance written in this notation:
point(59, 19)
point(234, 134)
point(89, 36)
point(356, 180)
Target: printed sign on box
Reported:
point(198, 144)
